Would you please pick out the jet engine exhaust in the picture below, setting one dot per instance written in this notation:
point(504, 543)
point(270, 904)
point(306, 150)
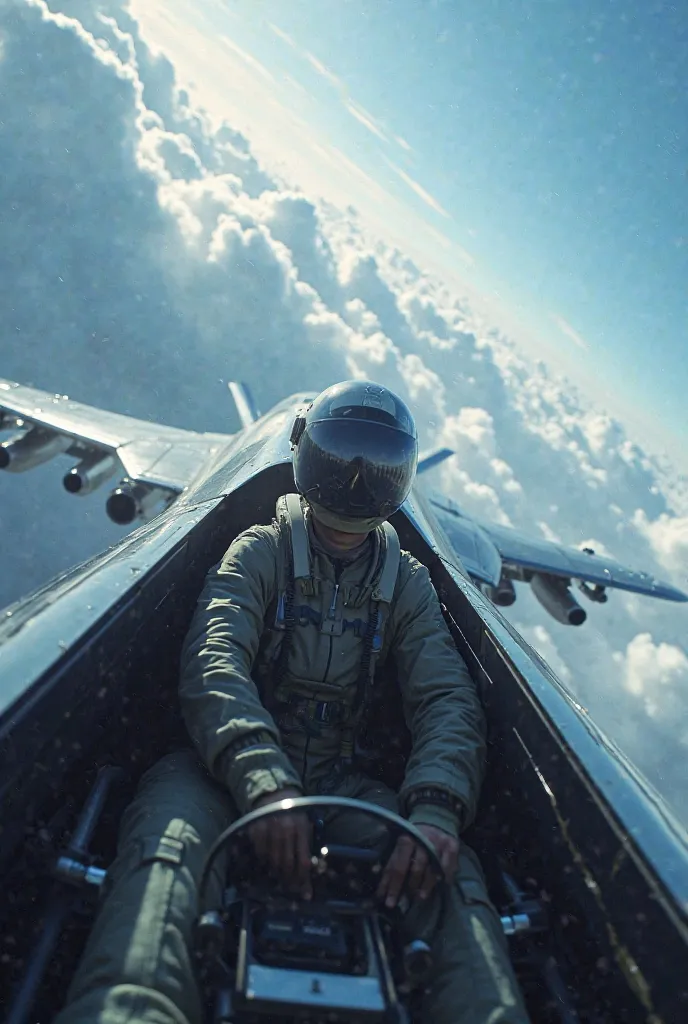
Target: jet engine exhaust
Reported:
point(503, 595)
point(132, 501)
point(555, 597)
point(89, 474)
point(30, 449)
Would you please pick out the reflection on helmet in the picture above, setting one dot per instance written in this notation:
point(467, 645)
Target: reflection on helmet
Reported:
point(356, 455)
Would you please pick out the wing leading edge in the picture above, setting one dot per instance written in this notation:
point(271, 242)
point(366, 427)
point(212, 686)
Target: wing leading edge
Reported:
point(521, 552)
point(154, 462)
point(522, 557)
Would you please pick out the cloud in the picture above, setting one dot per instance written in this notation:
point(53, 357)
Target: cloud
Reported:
point(249, 59)
point(568, 330)
point(282, 34)
point(648, 668)
point(668, 537)
point(323, 70)
point(148, 255)
point(419, 190)
point(539, 638)
point(656, 675)
point(358, 112)
point(314, 61)
point(366, 119)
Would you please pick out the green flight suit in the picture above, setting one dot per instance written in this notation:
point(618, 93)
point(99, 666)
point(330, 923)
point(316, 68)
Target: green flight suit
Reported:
point(137, 967)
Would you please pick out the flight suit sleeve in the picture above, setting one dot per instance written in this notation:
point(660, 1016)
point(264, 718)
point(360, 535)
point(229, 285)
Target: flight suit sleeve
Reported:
point(232, 730)
point(442, 708)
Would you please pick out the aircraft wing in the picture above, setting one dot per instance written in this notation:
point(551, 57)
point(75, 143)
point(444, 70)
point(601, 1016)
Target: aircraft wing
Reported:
point(523, 556)
point(520, 551)
point(157, 456)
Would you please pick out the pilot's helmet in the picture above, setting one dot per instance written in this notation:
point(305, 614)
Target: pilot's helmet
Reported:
point(355, 455)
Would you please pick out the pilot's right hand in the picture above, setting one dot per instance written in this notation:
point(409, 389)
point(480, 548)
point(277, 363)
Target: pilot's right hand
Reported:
point(283, 841)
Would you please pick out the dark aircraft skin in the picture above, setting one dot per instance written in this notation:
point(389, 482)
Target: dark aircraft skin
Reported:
point(571, 837)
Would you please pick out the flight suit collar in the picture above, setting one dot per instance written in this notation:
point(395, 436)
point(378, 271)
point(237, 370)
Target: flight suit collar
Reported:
point(355, 572)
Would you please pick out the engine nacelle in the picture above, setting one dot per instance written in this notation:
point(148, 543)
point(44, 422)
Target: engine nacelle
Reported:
point(133, 501)
point(30, 449)
point(555, 597)
point(90, 473)
point(503, 595)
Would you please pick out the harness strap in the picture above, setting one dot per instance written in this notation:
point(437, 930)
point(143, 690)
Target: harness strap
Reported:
point(284, 612)
point(323, 711)
point(384, 591)
point(295, 564)
point(301, 555)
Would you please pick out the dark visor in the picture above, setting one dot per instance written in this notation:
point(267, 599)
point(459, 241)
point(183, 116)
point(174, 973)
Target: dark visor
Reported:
point(334, 471)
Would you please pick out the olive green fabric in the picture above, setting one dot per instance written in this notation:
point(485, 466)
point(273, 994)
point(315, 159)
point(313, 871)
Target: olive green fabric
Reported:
point(228, 663)
point(137, 967)
point(472, 981)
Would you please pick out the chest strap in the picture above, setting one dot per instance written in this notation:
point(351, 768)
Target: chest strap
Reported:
point(297, 565)
point(295, 568)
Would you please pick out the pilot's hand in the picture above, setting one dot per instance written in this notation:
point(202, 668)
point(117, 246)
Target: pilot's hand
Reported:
point(409, 863)
point(284, 842)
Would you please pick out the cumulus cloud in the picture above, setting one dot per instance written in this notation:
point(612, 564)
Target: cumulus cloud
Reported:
point(668, 537)
point(650, 670)
point(148, 256)
point(540, 639)
point(656, 677)
point(481, 480)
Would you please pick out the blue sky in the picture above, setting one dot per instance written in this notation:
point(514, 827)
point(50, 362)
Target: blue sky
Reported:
point(549, 142)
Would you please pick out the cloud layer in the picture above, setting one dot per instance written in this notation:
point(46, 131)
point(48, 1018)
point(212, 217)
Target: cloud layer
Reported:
point(147, 257)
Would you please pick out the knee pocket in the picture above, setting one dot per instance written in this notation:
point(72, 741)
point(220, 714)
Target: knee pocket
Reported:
point(141, 852)
point(476, 905)
point(477, 946)
point(141, 937)
point(168, 849)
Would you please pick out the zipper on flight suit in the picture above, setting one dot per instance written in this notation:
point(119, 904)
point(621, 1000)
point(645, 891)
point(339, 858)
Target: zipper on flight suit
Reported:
point(338, 566)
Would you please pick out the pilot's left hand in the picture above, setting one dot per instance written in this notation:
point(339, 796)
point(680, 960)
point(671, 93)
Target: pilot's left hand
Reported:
point(410, 863)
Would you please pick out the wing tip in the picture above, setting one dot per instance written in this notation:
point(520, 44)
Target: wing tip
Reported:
point(671, 593)
point(432, 458)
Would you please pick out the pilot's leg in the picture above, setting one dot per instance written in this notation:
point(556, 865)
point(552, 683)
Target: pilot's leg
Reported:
point(137, 965)
point(473, 981)
point(358, 827)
